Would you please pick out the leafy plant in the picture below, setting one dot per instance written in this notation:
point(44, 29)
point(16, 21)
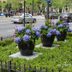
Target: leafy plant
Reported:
point(6, 42)
point(26, 34)
point(48, 23)
point(59, 57)
point(62, 27)
point(48, 31)
point(59, 22)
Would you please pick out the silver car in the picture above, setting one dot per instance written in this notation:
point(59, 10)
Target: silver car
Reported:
point(20, 19)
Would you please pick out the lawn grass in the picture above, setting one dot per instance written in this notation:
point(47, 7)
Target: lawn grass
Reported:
point(51, 58)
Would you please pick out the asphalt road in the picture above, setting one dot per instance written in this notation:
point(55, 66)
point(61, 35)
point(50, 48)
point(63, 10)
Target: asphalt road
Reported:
point(7, 28)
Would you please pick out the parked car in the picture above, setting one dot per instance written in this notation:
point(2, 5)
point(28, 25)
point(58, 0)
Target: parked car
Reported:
point(52, 15)
point(70, 17)
point(20, 19)
point(66, 17)
point(10, 13)
point(1, 14)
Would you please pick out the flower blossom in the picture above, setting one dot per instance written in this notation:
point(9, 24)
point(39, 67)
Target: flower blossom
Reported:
point(44, 27)
point(57, 32)
point(49, 34)
point(19, 29)
point(35, 29)
point(61, 25)
point(28, 31)
point(53, 31)
point(38, 34)
point(17, 40)
point(26, 38)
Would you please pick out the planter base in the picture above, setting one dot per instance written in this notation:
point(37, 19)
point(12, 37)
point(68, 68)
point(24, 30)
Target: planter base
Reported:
point(47, 41)
point(53, 46)
point(62, 37)
point(18, 55)
point(26, 49)
point(26, 52)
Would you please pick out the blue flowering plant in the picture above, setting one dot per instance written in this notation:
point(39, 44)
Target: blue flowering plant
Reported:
point(47, 35)
point(62, 27)
point(26, 35)
point(62, 31)
point(47, 31)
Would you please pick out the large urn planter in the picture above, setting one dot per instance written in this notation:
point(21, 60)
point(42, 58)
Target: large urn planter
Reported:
point(47, 41)
point(62, 36)
point(25, 38)
point(26, 49)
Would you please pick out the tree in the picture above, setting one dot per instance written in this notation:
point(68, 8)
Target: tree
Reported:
point(8, 6)
point(15, 3)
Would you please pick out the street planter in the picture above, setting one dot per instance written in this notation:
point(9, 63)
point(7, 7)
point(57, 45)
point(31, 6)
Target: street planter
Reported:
point(62, 36)
point(47, 41)
point(47, 35)
point(25, 39)
point(62, 31)
point(26, 49)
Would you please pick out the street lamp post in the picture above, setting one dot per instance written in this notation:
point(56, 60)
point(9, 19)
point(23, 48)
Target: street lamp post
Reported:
point(32, 7)
point(48, 5)
point(24, 12)
point(47, 10)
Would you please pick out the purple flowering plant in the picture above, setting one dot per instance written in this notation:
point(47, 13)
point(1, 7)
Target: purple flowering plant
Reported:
point(47, 31)
point(26, 34)
point(62, 27)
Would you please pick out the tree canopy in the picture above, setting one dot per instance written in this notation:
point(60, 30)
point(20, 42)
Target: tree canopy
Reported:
point(39, 3)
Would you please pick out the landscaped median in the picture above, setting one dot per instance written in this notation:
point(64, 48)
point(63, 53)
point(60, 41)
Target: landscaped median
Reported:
point(57, 58)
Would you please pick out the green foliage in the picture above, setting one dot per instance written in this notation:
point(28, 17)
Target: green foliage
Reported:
point(69, 33)
point(61, 3)
point(2, 5)
point(62, 28)
point(8, 6)
point(6, 42)
point(38, 3)
point(59, 57)
point(48, 23)
point(45, 30)
point(26, 34)
point(38, 41)
point(15, 3)
point(58, 3)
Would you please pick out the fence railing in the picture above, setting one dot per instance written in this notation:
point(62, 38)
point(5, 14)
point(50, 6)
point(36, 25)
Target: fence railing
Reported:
point(12, 67)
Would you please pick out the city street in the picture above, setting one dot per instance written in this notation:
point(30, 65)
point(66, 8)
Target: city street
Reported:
point(7, 28)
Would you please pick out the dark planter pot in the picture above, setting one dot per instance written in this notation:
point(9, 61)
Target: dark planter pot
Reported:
point(47, 41)
point(26, 49)
point(62, 37)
